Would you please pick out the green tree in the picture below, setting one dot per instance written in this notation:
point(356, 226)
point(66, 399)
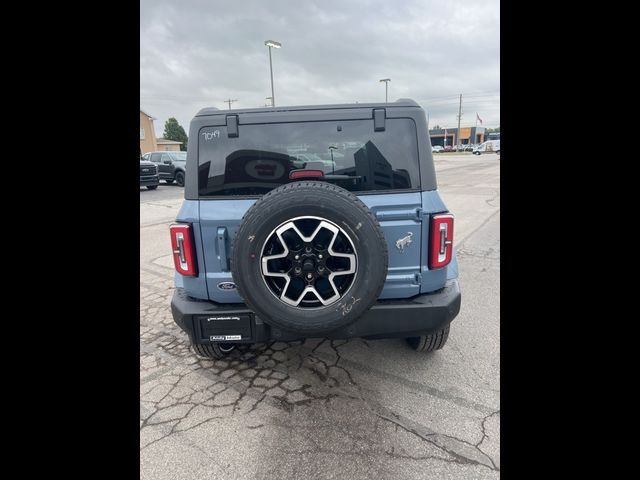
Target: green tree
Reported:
point(174, 131)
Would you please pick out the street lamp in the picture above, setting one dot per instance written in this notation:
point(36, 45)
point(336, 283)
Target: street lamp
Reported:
point(274, 44)
point(386, 89)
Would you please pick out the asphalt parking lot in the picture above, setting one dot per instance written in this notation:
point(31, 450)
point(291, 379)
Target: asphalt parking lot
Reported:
point(329, 409)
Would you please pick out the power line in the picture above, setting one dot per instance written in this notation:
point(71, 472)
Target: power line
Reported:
point(469, 94)
point(452, 100)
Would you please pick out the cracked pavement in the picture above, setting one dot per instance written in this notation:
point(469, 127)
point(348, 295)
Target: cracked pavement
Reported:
point(329, 409)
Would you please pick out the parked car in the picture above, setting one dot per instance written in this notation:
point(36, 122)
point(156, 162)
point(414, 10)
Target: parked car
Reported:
point(266, 250)
point(171, 165)
point(149, 175)
point(448, 148)
point(437, 149)
point(488, 147)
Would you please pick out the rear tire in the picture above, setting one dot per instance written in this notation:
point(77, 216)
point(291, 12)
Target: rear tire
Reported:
point(429, 343)
point(214, 350)
point(152, 187)
point(180, 178)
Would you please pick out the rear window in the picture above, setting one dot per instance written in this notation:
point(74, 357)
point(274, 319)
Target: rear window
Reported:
point(349, 153)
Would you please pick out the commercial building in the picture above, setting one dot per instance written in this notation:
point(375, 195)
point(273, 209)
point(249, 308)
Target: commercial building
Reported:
point(467, 135)
point(168, 145)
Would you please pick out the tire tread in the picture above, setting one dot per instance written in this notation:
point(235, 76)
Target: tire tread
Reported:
point(431, 342)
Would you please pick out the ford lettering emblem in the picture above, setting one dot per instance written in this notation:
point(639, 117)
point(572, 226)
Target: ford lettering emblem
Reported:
point(227, 286)
point(145, 169)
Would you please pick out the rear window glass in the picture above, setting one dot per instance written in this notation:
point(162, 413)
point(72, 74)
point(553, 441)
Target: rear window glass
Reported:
point(349, 153)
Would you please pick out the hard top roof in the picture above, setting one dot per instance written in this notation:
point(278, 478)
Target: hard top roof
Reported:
point(402, 102)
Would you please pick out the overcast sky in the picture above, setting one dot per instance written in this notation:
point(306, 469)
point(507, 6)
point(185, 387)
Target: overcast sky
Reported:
point(198, 53)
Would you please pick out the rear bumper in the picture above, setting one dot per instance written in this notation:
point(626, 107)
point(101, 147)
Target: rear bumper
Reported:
point(208, 322)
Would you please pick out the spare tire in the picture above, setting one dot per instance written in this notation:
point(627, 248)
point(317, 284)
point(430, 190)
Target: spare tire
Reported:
point(309, 257)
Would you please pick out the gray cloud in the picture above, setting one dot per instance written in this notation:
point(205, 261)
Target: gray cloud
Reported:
point(197, 53)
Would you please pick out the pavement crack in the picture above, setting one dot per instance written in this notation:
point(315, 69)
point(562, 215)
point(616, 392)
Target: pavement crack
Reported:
point(462, 451)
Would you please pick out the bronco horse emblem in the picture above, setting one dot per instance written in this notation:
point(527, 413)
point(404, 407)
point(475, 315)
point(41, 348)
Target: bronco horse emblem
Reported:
point(404, 242)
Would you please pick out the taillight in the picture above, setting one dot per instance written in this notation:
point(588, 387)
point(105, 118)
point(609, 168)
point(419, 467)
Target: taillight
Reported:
point(184, 253)
point(295, 174)
point(441, 240)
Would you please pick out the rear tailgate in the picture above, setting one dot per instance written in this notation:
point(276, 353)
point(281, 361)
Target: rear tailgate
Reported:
point(219, 220)
point(400, 216)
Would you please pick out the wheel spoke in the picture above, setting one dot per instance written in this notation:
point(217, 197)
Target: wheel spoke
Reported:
point(288, 226)
point(265, 265)
point(310, 289)
point(265, 260)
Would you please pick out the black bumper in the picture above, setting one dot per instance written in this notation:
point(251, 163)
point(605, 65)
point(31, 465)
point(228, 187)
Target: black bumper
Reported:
point(149, 181)
point(207, 322)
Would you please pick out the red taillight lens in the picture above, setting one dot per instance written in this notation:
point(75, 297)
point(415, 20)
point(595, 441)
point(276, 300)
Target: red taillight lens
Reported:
point(295, 174)
point(441, 240)
point(184, 253)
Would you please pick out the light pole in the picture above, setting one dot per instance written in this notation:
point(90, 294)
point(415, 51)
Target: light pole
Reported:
point(274, 44)
point(386, 89)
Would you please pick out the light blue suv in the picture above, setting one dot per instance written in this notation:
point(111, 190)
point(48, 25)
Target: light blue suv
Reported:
point(313, 221)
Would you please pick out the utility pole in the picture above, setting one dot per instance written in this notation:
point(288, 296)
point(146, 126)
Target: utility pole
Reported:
point(459, 118)
point(229, 101)
point(386, 89)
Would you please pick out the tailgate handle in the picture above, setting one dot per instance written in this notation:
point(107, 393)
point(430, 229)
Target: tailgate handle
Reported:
point(222, 249)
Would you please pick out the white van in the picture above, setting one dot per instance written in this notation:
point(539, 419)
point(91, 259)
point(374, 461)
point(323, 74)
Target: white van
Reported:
point(488, 146)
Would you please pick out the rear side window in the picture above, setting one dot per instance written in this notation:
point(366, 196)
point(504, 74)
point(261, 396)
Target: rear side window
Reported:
point(349, 153)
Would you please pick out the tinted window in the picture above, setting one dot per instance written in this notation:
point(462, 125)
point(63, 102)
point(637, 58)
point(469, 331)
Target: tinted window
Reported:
point(178, 156)
point(349, 153)
point(165, 157)
point(155, 157)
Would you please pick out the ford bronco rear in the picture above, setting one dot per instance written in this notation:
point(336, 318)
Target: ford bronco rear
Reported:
point(313, 221)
